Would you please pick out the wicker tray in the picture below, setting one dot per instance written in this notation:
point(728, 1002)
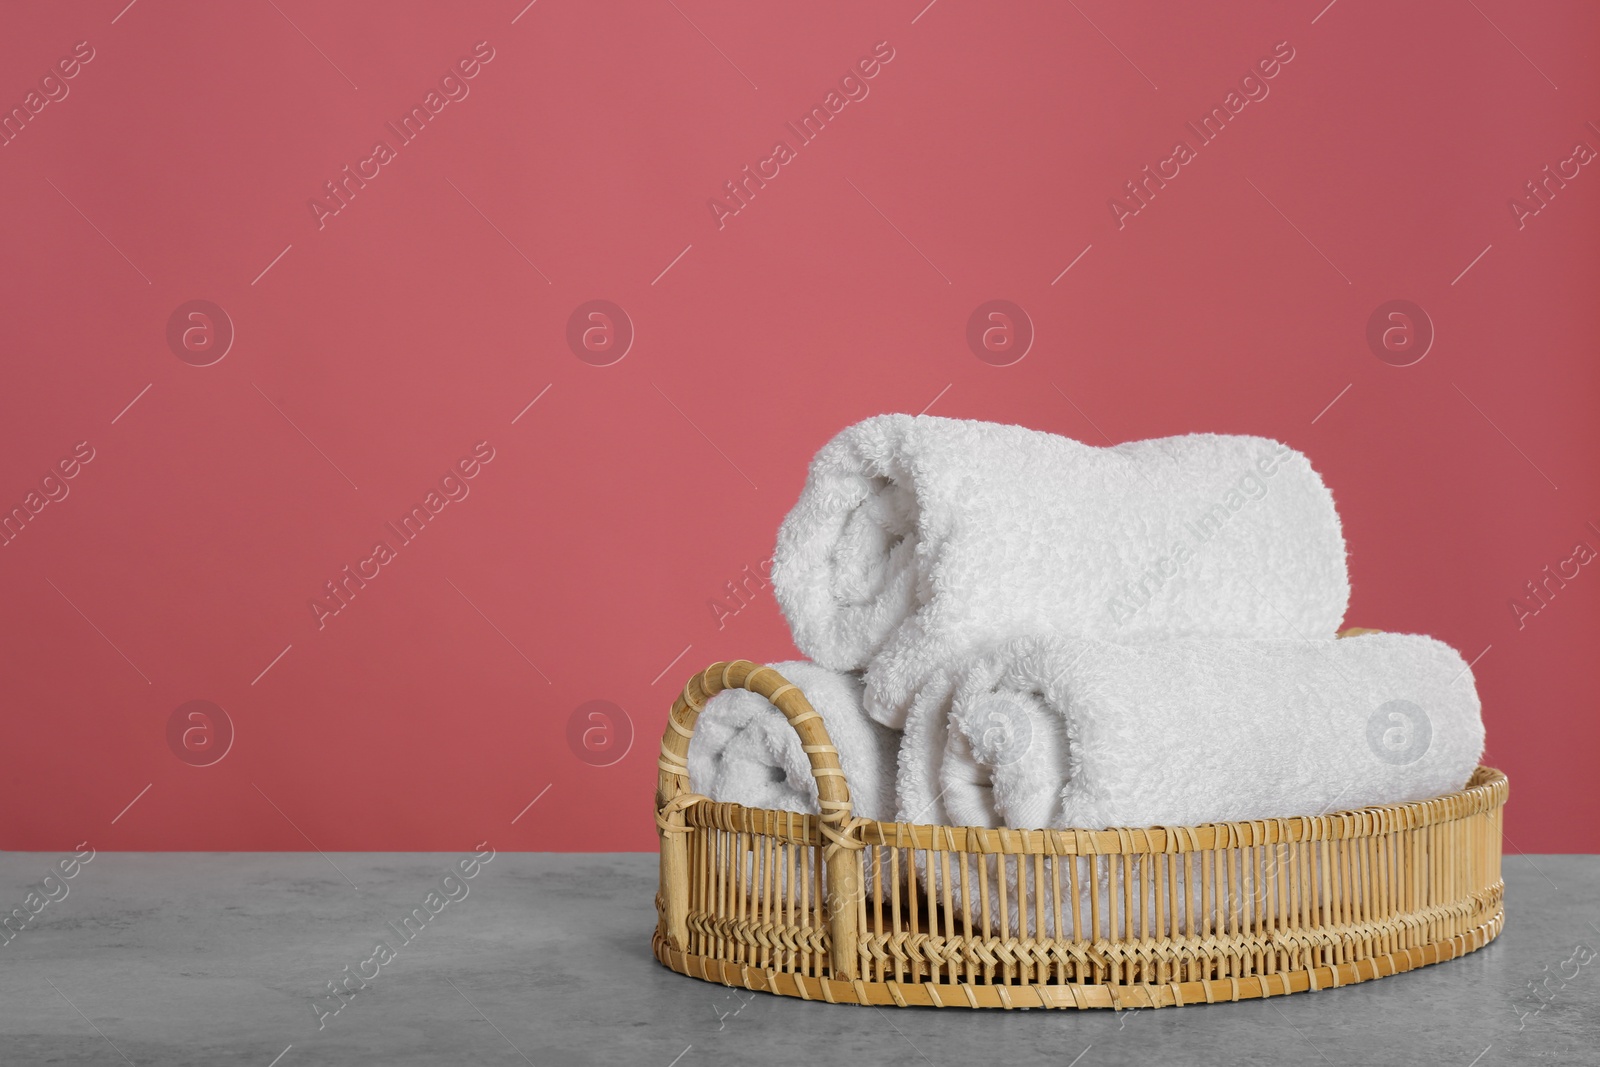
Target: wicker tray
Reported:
point(849, 910)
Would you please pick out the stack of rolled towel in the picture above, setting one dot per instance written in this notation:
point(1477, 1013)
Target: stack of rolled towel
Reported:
point(1010, 628)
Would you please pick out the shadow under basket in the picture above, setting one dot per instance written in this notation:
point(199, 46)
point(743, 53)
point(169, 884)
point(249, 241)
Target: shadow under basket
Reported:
point(849, 910)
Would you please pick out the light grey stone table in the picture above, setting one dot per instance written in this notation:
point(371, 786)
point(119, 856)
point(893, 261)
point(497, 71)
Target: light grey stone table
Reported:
point(217, 959)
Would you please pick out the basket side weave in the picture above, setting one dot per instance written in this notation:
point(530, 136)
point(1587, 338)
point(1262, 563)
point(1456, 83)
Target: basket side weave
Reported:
point(673, 796)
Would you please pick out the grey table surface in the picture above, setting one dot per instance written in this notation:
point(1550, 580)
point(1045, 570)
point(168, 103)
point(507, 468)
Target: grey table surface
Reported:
point(191, 958)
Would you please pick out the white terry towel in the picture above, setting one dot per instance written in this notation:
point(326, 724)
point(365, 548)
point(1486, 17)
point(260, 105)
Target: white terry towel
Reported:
point(745, 752)
point(918, 539)
point(1077, 732)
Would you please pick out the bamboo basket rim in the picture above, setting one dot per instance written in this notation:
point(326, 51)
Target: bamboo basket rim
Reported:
point(1486, 790)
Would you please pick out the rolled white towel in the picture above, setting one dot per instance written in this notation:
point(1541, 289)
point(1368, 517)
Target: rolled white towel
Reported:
point(1077, 732)
point(745, 752)
point(918, 540)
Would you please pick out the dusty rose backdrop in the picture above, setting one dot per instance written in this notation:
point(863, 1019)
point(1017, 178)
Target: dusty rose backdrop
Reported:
point(565, 342)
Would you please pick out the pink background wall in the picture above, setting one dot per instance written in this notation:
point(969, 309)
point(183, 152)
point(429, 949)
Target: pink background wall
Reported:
point(375, 347)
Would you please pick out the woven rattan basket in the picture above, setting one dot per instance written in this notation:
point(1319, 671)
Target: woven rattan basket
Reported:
point(851, 910)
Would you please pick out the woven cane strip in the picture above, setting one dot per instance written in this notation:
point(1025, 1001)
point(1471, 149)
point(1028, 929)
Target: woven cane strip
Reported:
point(1479, 798)
point(1068, 995)
point(676, 804)
point(1200, 839)
point(763, 935)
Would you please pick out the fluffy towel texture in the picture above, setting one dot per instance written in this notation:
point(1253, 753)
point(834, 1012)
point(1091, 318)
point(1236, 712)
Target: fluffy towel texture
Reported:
point(1074, 732)
point(745, 752)
point(918, 540)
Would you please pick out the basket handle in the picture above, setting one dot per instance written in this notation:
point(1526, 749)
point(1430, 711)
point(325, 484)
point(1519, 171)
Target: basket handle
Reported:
point(672, 796)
